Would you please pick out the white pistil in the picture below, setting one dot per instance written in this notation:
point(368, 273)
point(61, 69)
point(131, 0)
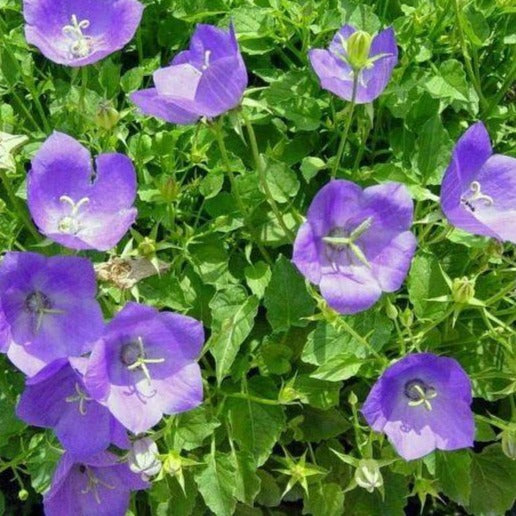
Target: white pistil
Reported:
point(69, 224)
point(80, 45)
point(476, 195)
point(206, 64)
point(142, 361)
point(424, 397)
point(93, 483)
point(81, 397)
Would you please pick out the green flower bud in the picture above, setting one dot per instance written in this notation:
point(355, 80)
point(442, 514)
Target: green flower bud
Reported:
point(173, 463)
point(463, 290)
point(147, 247)
point(368, 475)
point(391, 311)
point(407, 318)
point(169, 190)
point(358, 47)
point(352, 398)
point(287, 394)
point(106, 116)
point(509, 443)
point(23, 494)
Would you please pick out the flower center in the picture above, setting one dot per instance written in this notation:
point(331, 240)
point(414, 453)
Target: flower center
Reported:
point(419, 393)
point(338, 239)
point(80, 397)
point(475, 196)
point(93, 483)
point(70, 224)
point(37, 302)
point(80, 45)
point(134, 357)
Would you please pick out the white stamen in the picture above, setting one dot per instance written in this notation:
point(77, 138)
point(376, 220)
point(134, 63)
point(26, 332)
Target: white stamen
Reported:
point(206, 64)
point(475, 196)
point(70, 224)
point(80, 44)
point(81, 397)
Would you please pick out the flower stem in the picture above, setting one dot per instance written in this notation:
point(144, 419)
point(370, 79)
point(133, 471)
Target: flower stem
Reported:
point(84, 86)
point(234, 188)
point(18, 208)
point(263, 179)
point(507, 83)
point(345, 133)
point(465, 53)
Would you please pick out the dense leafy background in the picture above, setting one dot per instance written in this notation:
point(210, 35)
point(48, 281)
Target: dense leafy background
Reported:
point(285, 376)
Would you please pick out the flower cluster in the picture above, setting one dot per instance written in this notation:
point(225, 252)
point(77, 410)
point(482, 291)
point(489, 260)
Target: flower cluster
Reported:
point(91, 381)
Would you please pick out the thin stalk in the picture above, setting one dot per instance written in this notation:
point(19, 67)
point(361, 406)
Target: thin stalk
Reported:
point(465, 53)
point(263, 179)
point(344, 137)
point(234, 188)
point(84, 86)
point(507, 83)
point(17, 206)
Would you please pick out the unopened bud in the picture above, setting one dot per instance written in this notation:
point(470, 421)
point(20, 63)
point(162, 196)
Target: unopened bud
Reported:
point(352, 398)
point(368, 475)
point(143, 458)
point(169, 189)
point(173, 463)
point(391, 311)
point(106, 116)
point(287, 394)
point(23, 495)
point(358, 47)
point(147, 247)
point(407, 318)
point(463, 290)
point(509, 443)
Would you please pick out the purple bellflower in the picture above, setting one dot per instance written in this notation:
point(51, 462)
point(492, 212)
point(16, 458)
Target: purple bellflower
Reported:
point(206, 80)
point(80, 32)
point(354, 53)
point(57, 398)
point(356, 243)
point(49, 308)
point(99, 485)
point(75, 205)
point(145, 366)
point(422, 402)
point(478, 193)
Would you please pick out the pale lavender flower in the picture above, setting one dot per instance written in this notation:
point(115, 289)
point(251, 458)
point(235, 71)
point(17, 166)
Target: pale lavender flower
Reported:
point(144, 458)
point(478, 193)
point(206, 80)
point(422, 402)
point(356, 243)
point(145, 366)
point(76, 205)
point(80, 32)
point(352, 53)
point(49, 309)
point(99, 485)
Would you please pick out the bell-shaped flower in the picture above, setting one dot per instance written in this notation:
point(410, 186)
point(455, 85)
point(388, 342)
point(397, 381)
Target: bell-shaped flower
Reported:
point(80, 32)
point(422, 403)
point(354, 53)
point(49, 309)
point(98, 485)
point(144, 458)
point(57, 398)
point(76, 205)
point(145, 366)
point(478, 192)
point(356, 243)
point(206, 80)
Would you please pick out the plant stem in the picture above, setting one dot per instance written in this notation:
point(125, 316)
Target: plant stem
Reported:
point(17, 206)
point(507, 83)
point(344, 137)
point(84, 86)
point(234, 188)
point(465, 53)
point(263, 178)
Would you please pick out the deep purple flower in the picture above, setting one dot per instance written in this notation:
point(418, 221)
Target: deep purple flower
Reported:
point(422, 402)
point(99, 485)
point(356, 52)
point(80, 32)
point(478, 193)
point(76, 205)
point(145, 366)
point(49, 307)
point(57, 398)
point(206, 80)
point(356, 243)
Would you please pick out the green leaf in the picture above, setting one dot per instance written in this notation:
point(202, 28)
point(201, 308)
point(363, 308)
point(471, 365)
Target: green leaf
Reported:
point(216, 483)
point(282, 181)
point(450, 83)
point(426, 281)
point(320, 425)
point(453, 472)
point(247, 482)
point(310, 166)
point(256, 426)
point(192, 428)
point(233, 315)
point(169, 498)
point(492, 479)
point(315, 392)
point(324, 499)
point(338, 368)
point(258, 276)
point(286, 298)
